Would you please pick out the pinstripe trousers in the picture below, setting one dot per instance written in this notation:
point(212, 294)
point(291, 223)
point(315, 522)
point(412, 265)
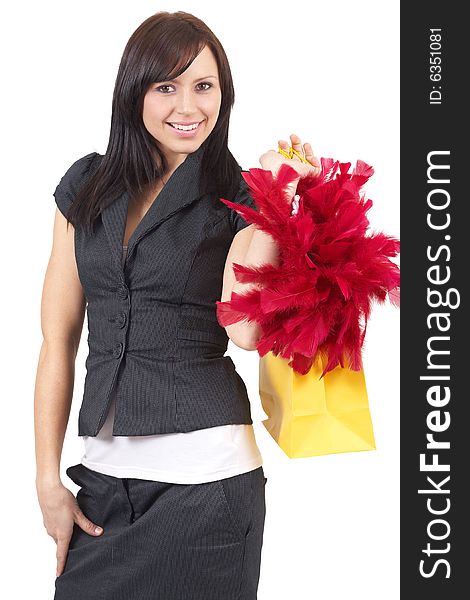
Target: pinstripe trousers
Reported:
point(166, 541)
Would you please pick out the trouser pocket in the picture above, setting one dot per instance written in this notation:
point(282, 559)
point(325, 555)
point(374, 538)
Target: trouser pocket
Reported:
point(236, 494)
point(96, 491)
point(243, 498)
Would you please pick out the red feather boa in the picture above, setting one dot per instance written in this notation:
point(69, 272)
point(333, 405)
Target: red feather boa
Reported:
point(318, 300)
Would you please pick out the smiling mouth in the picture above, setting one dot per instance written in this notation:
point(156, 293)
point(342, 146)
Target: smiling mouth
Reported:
point(189, 127)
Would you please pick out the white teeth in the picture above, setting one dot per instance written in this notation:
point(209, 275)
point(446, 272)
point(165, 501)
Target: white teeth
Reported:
point(185, 127)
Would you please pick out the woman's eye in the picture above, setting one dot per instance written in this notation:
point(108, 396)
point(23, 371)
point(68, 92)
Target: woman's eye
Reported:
point(160, 88)
point(206, 83)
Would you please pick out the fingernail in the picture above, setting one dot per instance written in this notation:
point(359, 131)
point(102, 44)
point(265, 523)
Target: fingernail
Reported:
point(98, 530)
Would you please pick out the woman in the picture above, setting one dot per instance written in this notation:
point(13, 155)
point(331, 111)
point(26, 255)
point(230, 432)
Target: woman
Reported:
point(171, 501)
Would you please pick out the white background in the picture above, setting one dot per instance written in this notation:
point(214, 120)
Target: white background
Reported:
point(326, 71)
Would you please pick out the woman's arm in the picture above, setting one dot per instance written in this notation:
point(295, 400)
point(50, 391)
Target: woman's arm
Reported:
point(62, 315)
point(253, 247)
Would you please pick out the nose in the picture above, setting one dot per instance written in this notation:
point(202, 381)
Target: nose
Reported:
point(185, 102)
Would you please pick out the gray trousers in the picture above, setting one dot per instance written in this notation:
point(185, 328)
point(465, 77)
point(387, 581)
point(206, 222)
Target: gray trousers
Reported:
point(166, 541)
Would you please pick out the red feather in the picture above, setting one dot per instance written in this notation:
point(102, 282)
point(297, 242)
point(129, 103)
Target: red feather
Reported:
point(318, 299)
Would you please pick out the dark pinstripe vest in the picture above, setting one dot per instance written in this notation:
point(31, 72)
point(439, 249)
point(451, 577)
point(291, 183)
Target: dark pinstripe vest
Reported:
point(154, 339)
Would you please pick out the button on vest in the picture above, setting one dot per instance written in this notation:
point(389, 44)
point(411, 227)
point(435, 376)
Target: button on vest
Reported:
point(119, 320)
point(118, 349)
point(122, 292)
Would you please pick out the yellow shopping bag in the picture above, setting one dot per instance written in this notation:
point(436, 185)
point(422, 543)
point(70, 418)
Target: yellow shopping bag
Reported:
point(309, 416)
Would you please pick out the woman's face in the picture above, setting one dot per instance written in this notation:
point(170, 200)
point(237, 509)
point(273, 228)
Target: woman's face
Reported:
point(192, 100)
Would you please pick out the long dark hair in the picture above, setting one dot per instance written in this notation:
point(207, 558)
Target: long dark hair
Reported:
point(161, 48)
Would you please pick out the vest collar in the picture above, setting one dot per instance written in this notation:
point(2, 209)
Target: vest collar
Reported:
point(181, 189)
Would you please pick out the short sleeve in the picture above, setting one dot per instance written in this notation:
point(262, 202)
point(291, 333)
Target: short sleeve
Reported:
point(243, 197)
point(71, 182)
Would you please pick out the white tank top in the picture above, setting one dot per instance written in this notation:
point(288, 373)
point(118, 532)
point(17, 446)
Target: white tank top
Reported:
point(197, 456)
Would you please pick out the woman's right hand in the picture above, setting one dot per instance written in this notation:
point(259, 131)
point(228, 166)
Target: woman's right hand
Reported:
point(60, 510)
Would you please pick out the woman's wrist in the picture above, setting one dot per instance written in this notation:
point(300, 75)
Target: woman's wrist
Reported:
point(272, 162)
point(48, 479)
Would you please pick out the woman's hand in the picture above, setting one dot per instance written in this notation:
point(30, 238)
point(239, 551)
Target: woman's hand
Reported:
point(272, 160)
point(60, 511)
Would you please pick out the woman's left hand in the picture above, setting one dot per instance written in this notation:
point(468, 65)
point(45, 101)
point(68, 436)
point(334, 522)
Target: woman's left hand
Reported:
point(272, 160)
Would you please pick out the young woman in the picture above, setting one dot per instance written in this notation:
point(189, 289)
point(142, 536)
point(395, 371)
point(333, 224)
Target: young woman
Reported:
point(171, 501)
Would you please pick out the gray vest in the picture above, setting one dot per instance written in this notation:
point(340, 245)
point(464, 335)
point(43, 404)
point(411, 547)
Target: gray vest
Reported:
point(154, 339)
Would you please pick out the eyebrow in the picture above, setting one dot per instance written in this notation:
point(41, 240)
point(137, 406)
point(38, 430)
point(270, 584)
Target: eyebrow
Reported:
point(195, 81)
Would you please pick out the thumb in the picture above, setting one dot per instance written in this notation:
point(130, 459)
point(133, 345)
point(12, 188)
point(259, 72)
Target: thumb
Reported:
point(88, 526)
